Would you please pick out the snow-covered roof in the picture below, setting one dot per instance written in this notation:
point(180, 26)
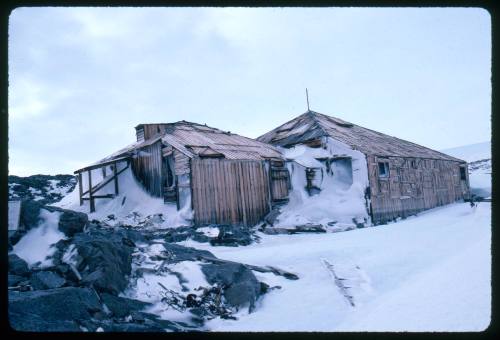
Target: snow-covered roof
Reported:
point(196, 139)
point(312, 125)
point(193, 139)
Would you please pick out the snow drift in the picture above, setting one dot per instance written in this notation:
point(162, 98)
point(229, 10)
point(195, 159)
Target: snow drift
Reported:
point(341, 198)
point(131, 204)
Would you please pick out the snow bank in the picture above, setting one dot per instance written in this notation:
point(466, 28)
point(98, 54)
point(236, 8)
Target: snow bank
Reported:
point(430, 272)
point(36, 245)
point(131, 204)
point(340, 199)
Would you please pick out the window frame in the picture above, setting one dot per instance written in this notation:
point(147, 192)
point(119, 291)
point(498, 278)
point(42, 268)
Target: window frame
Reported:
point(462, 173)
point(383, 165)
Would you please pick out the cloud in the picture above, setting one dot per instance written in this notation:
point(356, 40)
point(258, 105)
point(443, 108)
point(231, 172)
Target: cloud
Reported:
point(82, 78)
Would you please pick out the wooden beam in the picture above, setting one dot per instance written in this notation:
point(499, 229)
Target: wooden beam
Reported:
point(92, 203)
point(115, 176)
point(95, 166)
point(99, 196)
point(80, 187)
point(103, 183)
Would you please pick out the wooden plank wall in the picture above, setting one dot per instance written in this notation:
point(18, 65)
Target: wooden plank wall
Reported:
point(229, 191)
point(147, 168)
point(279, 183)
point(411, 188)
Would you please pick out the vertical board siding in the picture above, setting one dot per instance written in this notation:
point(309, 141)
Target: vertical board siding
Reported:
point(413, 185)
point(229, 191)
point(147, 168)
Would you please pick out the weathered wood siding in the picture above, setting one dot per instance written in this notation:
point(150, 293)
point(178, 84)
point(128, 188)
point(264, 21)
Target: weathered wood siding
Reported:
point(413, 185)
point(146, 131)
point(279, 183)
point(229, 191)
point(147, 168)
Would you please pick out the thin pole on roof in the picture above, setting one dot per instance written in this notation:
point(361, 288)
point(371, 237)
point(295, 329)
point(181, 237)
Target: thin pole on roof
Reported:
point(307, 98)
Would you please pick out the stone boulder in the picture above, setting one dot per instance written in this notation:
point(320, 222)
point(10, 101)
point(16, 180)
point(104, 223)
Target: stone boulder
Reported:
point(46, 280)
point(18, 266)
point(232, 236)
point(240, 286)
point(122, 307)
point(30, 214)
point(13, 280)
point(28, 322)
point(72, 222)
point(105, 261)
point(177, 253)
point(53, 309)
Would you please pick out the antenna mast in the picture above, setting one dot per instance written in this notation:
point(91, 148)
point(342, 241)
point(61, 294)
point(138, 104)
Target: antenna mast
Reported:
point(307, 98)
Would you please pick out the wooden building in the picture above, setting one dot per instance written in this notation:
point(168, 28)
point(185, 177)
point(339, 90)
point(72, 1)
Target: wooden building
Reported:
point(403, 177)
point(223, 177)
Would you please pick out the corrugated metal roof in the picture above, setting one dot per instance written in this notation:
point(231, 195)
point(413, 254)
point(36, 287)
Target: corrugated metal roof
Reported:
point(183, 135)
point(232, 146)
point(311, 125)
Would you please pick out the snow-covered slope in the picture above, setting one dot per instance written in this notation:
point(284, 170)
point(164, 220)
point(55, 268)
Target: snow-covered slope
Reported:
point(471, 152)
point(430, 272)
point(43, 188)
point(479, 158)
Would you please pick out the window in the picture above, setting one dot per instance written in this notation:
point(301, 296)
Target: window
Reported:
point(413, 164)
point(463, 176)
point(383, 169)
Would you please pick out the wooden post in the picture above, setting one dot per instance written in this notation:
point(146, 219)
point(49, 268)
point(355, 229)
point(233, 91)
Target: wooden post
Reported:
point(80, 188)
point(103, 169)
point(116, 179)
point(91, 200)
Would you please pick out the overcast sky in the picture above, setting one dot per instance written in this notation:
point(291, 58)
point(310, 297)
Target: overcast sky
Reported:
point(81, 79)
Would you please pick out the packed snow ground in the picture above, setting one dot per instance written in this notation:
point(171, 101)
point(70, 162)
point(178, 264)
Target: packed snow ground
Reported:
point(430, 272)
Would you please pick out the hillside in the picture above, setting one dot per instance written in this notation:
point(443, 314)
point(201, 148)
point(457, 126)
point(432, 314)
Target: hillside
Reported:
point(43, 188)
point(479, 158)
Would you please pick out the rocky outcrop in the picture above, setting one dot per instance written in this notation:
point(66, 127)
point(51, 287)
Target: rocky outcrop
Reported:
point(240, 286)
point(68, 303)
point(46, 280)
point(18, 266)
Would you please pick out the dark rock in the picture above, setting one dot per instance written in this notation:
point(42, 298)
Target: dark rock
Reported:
point(62, 269)
point(72, 222)
point(178, 234)
point(232, 236)
point(241, 287)
point(30, 214)
point(46, 280)
point(15, 279)
point(58, 304)
point(100, 316)
point(272, 216)
point(121, 307)
point(18, 266)
point(105, 261)
point(128, 242)
point(28, 322)
point(178, 253)
point(276, 231)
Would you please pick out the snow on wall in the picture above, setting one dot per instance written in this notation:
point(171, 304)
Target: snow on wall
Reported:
point(339, 200)
point(131, 200)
